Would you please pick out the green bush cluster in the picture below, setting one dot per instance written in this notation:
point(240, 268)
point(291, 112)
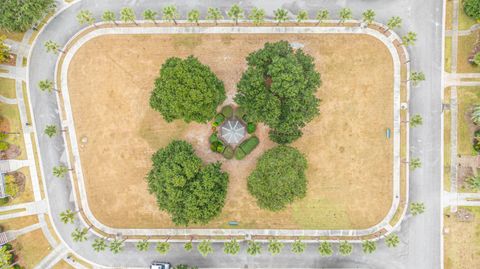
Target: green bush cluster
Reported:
point(246, 147)
point(476, 141)
point(227, 111)
point(218, 120)
point(19, 16)
point(3, 144)
point(251, 127)
point(228, 153)
point(472, 8)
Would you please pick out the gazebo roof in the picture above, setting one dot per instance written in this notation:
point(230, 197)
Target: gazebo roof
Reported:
point(232, 131)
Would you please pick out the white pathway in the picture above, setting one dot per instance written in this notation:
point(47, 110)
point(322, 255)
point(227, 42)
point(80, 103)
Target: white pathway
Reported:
point(81, 202)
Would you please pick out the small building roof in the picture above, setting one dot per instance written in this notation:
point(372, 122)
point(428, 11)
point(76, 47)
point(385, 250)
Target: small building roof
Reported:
point(232, 131)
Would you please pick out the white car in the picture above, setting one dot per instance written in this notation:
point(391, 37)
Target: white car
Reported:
point(160, 265)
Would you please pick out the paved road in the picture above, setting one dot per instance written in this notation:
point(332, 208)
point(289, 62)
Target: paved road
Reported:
point(420, 247)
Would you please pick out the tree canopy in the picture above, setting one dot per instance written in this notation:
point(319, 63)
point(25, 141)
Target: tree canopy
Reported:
point(279, 178)
point(472, 8)
point(278, 88)
point(187, 89)
point(19, 16)
point(184, 187)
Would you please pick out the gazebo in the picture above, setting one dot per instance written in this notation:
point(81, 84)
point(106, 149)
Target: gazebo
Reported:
point(232, 131)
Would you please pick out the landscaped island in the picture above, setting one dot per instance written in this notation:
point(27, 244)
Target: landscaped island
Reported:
point(341, 184)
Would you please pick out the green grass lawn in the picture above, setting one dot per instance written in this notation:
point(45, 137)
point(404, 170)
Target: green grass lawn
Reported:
point(464, 21)
point(449, 15)
point(448, 54)
point(13, 115)
point(467, 97)
point(7, 87)
point(465, 46)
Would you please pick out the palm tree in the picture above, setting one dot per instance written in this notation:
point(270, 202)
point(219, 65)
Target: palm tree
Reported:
point(85, 17)
point(345, 14)
point(254, 248)
point(474, 183)
point(298, 247)
point(409, 39)
point(393, 22)
point(235, 13)
point(416, 120)
point(79, 235)
point(232, 247)
point(476, 114)
point(53, 47)
point(392, 240)
point(163, 247)
point(193, 16)
point(50, 130)
point(369, 246)
point(322, 15)
point(417, 208)
point(109, 15)
point(151, 15)
point(302, 16)
point(46, 85)
point(60, 171)
point(143, 245)
point(257, 15)
point(417, 77)
point(275, 247)
point(128, 15)
point(67, 216)
point(280, 15)
point(415, 163)
point(325, 249)
point(188, 246)
point(368, 16)
point(99, 245)
point(214, 14)
point(345, 248)
point(205, 248)
point(170, 13)
point(116, 246)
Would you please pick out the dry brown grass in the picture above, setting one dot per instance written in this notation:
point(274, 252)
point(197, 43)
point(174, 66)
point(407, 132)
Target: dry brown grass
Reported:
point(31, 248)
point(462, 242)
point(350, 160)
point(18, 223)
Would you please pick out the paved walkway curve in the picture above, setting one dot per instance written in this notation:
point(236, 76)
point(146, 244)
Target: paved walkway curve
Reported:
point(420, 247)
point(92, 32)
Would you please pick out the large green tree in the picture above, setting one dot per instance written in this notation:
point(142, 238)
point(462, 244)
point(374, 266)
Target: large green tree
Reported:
point(187, 89)
point(472, 8)
point(186, 188)
point(20, 15)
point(278, 88)
point(279, 178)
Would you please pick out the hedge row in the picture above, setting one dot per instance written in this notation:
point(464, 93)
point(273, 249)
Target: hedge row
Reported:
point(246, 147)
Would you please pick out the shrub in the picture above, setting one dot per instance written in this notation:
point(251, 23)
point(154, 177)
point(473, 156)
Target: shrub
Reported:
point(472, 8)
point(220, 147)
point(278, 88)
point(3, 145)
point(11, 187)
point(227, 111)
point(239, 153)
point(279, 178)
point(240, 112)
point(213, 138)
point(228, 152)
point(218, 120)
point(251, 127)
point(187, 89)
point(4, 201)
point(249, 145)
point(190, 191)
point(476, 141)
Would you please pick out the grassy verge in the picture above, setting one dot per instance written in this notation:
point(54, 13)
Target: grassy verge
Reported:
point(462, 240)
point(40, 26)
point(12, 113)
point(465, 45)
point(446, 142)
point(7, 87)
point(449, 15)
point(37, 163)
point(18, 223)
point(50, 228)
point(31, 248)
point(464, 21)
point(62, 265)
point(448, 54)
point(467, 97)
point(27, 103)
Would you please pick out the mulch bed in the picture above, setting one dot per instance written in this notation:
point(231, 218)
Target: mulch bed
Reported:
point(19, 180)
point(12, 152)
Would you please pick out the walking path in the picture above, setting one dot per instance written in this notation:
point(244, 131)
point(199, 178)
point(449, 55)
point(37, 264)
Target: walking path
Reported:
point(22, 210)
point(9, 101)
point(454, 107)
point(472, 29)
point(14, 72)
point(58, 253)
point(461, 199)
point(13, 234)
point(388, 42)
